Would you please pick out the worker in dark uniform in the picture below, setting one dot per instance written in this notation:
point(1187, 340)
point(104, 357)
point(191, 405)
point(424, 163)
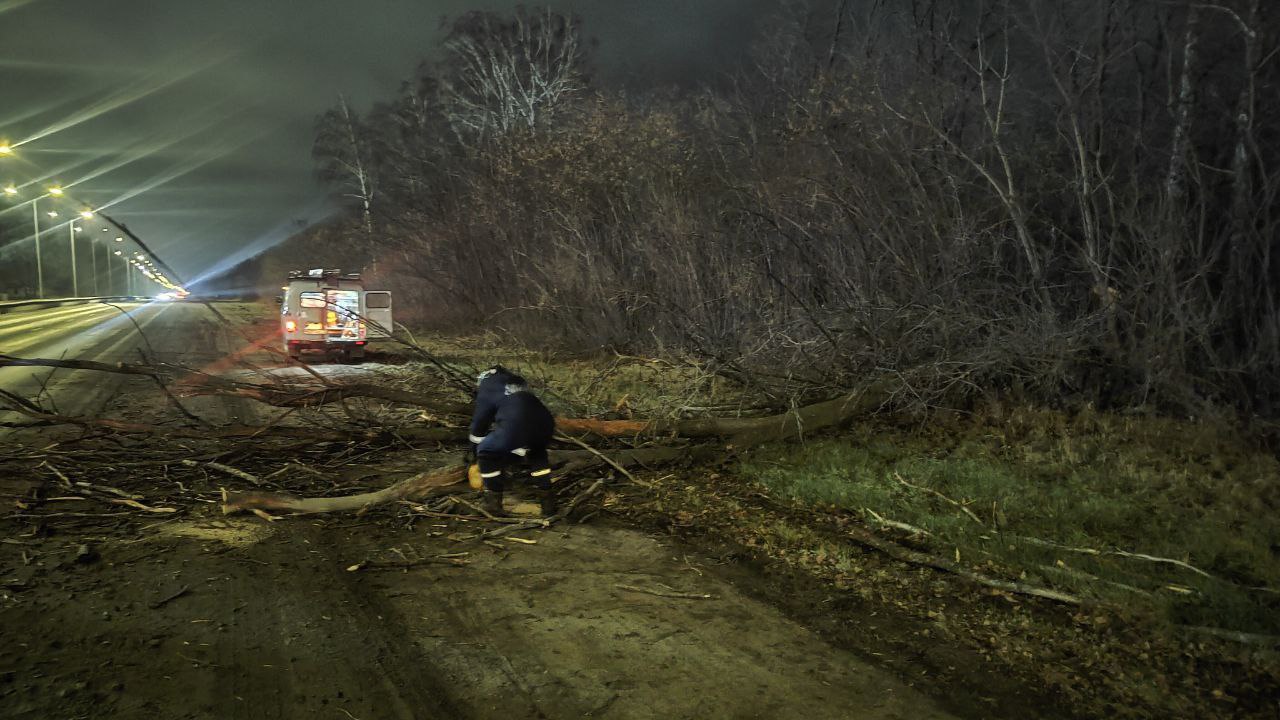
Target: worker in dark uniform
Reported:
point(511, 429)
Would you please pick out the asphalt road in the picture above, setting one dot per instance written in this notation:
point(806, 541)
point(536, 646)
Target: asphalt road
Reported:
point(183, 333)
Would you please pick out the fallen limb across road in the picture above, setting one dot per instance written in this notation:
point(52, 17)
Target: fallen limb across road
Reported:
point(186, 382)
point(743, 431)
point(739, 433)
point(730, 434)
point(410, 489)
point(432, 481)
point(44, 418)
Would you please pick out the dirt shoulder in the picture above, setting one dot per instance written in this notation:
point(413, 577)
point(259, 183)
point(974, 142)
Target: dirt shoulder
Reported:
point(206, 617)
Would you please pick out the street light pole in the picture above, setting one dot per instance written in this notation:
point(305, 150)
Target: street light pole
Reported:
point(93, 254)
point(75, 283)
point(35, 223)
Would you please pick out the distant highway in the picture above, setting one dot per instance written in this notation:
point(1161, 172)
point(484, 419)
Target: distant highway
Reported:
point(183, 333)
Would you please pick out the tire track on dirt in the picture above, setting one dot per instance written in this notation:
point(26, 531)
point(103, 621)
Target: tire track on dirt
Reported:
point(316, 640)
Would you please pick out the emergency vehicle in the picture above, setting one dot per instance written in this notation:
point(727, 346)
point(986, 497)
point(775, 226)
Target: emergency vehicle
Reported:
point(327, 311)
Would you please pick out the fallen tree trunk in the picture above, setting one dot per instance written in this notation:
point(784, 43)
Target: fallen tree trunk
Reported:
point(737, 433)
point(410, 489)
point(742, 431)
point(431, 481)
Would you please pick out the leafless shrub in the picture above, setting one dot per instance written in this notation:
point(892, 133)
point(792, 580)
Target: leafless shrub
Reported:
point(1069, 201)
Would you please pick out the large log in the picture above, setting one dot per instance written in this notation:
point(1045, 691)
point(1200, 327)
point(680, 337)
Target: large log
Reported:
point(415, 487)
point(426, 483)
point(742, 431)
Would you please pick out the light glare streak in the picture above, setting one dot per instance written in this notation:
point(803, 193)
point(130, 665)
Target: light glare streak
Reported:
point(7, 5)
point(127, 95)
point(200, 160)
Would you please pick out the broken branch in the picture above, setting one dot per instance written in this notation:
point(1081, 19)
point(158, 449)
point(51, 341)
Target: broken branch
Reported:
point(660, 593)
point(417, 486)
point(225, 470)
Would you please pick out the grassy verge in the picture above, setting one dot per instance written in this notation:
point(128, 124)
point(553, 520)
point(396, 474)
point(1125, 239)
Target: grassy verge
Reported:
point(1189, 493)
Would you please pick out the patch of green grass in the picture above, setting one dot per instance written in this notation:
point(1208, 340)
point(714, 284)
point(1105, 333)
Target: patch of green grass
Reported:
point(1175, 491)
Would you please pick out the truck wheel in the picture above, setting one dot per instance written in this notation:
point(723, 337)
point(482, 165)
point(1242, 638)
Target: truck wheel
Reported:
point(295, 354)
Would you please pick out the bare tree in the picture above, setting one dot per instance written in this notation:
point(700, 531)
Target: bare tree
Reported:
point(341, 151)
point(1181, 108)
point(507, 73)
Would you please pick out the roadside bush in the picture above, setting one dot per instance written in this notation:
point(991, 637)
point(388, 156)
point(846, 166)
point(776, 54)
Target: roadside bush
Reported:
point(1003, 202)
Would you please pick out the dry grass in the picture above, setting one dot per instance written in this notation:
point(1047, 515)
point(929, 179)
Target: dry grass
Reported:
point(607, 384)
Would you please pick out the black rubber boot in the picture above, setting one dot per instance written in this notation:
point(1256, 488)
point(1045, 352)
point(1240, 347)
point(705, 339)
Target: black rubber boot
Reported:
point(491, 502)
point(547, 502)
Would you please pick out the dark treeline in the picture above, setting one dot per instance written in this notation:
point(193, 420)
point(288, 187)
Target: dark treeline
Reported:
point(1067, 200)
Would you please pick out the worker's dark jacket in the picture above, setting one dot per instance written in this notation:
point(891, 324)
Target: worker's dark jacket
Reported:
point(521, 425)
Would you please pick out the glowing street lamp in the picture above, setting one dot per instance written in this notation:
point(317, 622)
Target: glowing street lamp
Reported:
point(6, 149)
point(10, 190)
point(52, 191)
point(86, 214)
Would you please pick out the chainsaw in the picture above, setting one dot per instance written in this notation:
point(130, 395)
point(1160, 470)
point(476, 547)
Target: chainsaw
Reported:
point(473, 469)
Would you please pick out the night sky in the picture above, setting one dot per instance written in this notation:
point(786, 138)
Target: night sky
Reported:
point(191, 121)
